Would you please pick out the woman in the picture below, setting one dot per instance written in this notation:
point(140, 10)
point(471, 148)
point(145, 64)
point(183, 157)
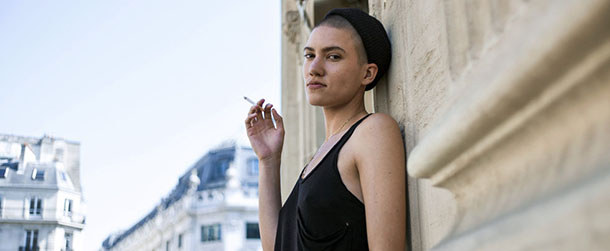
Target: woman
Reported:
point(351, 195)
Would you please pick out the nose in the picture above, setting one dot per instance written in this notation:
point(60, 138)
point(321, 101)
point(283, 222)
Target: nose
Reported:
point(316, 67)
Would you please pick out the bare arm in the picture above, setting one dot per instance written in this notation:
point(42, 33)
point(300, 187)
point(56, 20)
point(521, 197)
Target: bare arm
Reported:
point(381, 165)
point(269, 202)
point(267, 141)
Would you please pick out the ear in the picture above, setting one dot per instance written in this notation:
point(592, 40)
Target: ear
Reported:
point(370, 73)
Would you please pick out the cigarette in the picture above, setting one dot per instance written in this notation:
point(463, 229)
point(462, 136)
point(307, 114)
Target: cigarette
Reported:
point(249, 100)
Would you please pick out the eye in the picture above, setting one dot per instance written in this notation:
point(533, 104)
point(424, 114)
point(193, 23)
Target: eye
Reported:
point(309, 55)
point(334, 57)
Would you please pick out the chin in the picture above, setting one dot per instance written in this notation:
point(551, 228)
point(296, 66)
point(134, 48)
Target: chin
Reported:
point(316, 104)
point(315, 100)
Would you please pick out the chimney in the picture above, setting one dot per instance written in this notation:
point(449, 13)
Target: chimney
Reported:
point(25, 157)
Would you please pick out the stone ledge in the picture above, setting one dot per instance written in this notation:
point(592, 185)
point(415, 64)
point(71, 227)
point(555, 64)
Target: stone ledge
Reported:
point(575, 218)
point(520, 71)
point(541, 94)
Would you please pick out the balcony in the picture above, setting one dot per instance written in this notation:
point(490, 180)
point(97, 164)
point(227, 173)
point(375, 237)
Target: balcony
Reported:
point(45, 216)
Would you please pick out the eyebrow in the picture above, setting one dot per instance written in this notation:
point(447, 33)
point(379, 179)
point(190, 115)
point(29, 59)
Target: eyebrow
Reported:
point(326, 49)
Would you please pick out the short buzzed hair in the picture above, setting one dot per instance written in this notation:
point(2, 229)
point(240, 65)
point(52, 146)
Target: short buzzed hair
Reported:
point(339, 22)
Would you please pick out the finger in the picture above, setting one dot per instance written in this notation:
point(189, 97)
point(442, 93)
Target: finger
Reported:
point(252, 110)
point(268, 118)
point(255, 109)
point(279, 121)
point(248, 120)
point(259, 113)
point(268, 111)
point(260, 109)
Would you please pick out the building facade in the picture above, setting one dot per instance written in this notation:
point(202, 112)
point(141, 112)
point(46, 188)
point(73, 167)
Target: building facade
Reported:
point(213, 207)
point(504, 108)
point(41, 205)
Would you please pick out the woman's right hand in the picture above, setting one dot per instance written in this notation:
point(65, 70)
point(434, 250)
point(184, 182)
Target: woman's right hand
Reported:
point(266, 139)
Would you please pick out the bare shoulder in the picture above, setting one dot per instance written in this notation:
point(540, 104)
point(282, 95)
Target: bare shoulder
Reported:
point(378, 125)
point(377, 132)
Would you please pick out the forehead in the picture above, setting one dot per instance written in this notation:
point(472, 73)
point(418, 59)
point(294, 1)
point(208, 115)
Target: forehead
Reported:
point(326, 36)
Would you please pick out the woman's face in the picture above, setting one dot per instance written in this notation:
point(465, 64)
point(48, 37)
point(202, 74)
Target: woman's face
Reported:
point(332, 73)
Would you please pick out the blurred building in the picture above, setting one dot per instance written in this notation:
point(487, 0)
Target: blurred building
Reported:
point(213, 207)
point(41, 205)
point(505, 112)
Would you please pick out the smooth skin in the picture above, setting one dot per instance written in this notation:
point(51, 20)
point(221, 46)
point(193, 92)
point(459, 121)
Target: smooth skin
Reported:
point(371, 164)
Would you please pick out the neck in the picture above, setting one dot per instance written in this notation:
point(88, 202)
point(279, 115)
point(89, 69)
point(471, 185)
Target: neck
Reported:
point(335, 118)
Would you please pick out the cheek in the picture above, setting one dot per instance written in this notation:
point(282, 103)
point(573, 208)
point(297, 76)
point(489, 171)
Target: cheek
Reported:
point(305, 69)
point(346, 74)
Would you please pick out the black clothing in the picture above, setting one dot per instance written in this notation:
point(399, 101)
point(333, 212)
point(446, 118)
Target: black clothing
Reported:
point(320, 213)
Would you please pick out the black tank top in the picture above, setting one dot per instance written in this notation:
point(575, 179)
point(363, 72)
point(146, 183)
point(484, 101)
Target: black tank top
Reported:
point(320, 213)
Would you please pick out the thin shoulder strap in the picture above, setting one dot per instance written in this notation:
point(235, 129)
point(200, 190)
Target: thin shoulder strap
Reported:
point(349, 132)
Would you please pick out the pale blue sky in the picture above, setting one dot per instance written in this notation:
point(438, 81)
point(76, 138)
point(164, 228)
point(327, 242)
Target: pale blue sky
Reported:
point(146, 87)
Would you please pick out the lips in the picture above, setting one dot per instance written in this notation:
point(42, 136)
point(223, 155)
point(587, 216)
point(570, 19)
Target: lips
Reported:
point(315, 84)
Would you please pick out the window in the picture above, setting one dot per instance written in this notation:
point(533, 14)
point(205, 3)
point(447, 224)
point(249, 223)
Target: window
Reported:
point(3, 172)
point(68, 207)
point(68, 237)
point(35, 206)
point(252, 231)
point(253, 166)
point(38, 174)
point(218, 170)
point(210, 233)
point(31, 240)
point(180, 240)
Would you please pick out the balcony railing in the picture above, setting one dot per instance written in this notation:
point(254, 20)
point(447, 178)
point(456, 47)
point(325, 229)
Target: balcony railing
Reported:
point(50, 214)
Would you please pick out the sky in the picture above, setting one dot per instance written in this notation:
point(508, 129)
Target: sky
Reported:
point(146, 87)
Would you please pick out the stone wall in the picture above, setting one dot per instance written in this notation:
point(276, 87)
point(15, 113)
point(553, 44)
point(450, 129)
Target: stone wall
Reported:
point(505, 109)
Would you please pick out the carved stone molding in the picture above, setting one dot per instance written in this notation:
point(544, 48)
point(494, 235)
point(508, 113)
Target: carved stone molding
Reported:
point(292, 25)
point(471, 27)
point(533, 118)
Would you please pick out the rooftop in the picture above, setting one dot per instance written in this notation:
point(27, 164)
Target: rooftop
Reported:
point(211, 171)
